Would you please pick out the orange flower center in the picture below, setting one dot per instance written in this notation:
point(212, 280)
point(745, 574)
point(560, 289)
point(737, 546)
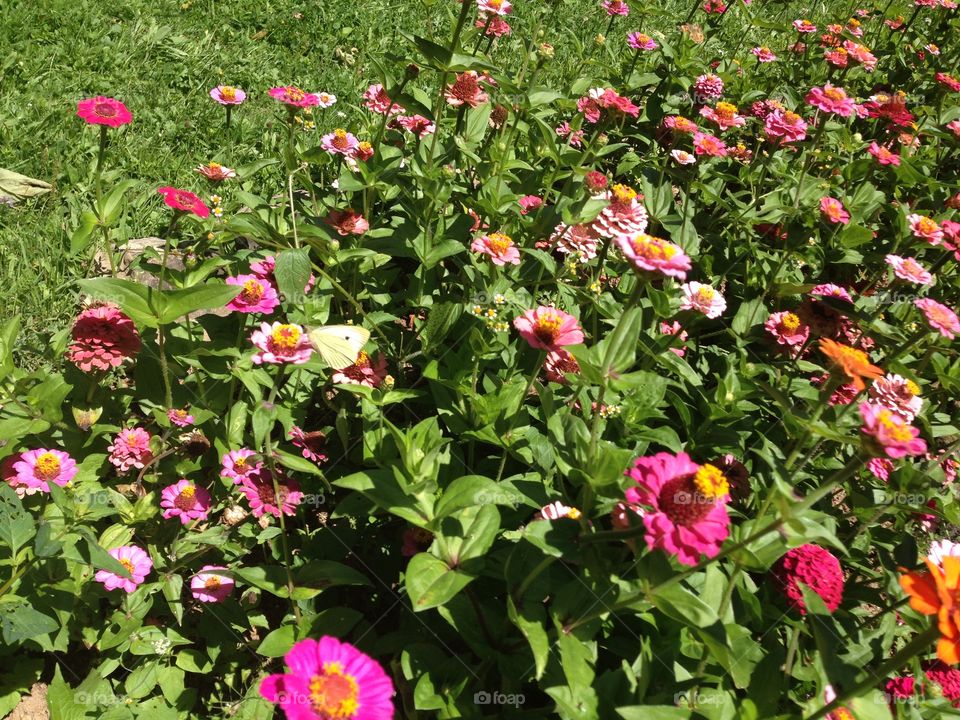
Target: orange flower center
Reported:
point(285, 337)
point(547, 327)
point(835, 93)
point(252, 291)
point(333, 694)
point(295, 94)
point(726, 110)
point(127, 564)
point(362, 359)
point(653, 247)
point(228, 92)
point(499, 243)
point(926, 225)
point(212, 583)
point(790, 322)
point(623, 193)
point(47, 466)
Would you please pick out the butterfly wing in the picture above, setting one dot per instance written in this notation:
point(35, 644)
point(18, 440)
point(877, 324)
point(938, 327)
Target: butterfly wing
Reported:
point(339, 345)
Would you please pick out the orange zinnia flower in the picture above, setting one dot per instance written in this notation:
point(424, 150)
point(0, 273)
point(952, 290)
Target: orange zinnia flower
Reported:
point(854, 363)
point(938, 593)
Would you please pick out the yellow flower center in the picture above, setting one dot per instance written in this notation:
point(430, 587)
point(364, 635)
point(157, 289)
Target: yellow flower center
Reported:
point(835, 93)
point(499, 243)
point(790, 322)
point(574, 514)
point(912, 387)
point(212, 583)
point(705, 294)
point(853, 22)
point(295, 94)
point(364, 146)
point(285, 337)
point(240, 464)
point(791, 117)
point(131, 437)
point(252, 291)
point(333, 693)
point(362, 359)
point(895, 426)
point(653, 247)
point(711, 482)
point(726, 110)
point(127, 564)
point(623, 193)
point(47, 466)
point(228, 92)
point(927, 225)
point(547, 327)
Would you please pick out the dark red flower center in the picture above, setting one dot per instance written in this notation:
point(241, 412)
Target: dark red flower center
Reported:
point(105, 109)
point(683, 502)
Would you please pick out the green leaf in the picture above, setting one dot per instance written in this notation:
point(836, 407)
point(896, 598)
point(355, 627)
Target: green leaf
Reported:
point(293, 273)
point(172, 590)
point(80, 238)
point(531, 620)
point(140, 302)
point(753, 312)
point(431, 583)
point(141, 681)
point(468, 534)
point(45, 545)
point(677, 602)
point(16, 524)
point(208, 296)
point(23, 622)
point(278, 642)
point(653, 712)
point(100, 558)
point(111, 205)
point(471, 490)
point(61, 701)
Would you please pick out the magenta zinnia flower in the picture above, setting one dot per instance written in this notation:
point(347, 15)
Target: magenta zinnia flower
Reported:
point(709, 145)
point(310, 443)
point(103, 337)
point(237, 464)
point(641, 41)
point(257, 296)
point(883, 155)
point(210, 586)
point(834, 211)
point(339, 142)
point(708, 87)
point(377, 101)
point(294, 97)
point(281, 343)
point(329, 680)
point(364, 371)
point(498, 247)
point(258, 488)
point(889, 433)
point(702, 298)
point(687, 513)
point(787, 328)
point(180, 417)
point(130, 449)
point(137, 563)
point(816, 568)
point(228, 95)
point(184, 201)
point(185, 500)
point(104, 111)
point(616, 7)
point(940, 317)
point(548, 328)
point(784, 126)
point(36, 469)
point(831, 99)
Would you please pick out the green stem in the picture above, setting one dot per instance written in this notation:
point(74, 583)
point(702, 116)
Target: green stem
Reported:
point(516, 416)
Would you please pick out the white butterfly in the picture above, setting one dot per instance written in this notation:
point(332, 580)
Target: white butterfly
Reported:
point(338, 345)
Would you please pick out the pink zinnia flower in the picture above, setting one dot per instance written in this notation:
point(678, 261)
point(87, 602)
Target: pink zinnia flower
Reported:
point(364, 371)
point(880, 468)
point(687, 513)
point(680, 124)
point(890, 433)
point(130, 449)
point(294, 97)
point(954, 127)
point(710, 145)
point(210, 586)
point(136, 562)
point(702, 298)
point(641, 41)
point(339, 142)
point(347, 222)
point(675, 330)
point(941, 549)
point(377, 101)
point(804, 26)
point(558, 511)
point(763, 54)
point(723, 115)
point(258, 488)
point(787, 328)
point(654, 254)
point(558, 364)
point(36, 469)
point(682, 157)
point(785, 126)
point(498, 247)
point(708, 87)
point(834, 211)
point(466, 90)
point(831, 99)
point(228, 95)
point(883, 155)
point(238, 464)
point(102, 338)
point(909, 269)
point(575, 137)
point(281, 344)
point(104, 111)
point(185, 500)
point(940, 317)
point(897, 394)
point(215, 172)
point(816, 568)
point(548, 328)
point(494, 7)
point(325, 100)
point(180, 417)
point(310, 443)
point(624, 217)
point(184, 201)
point(330, 679)
point(578, 240)
point(831, 290)
point(257, 296)
point(616, 7)
point(417, 124)
point(925, 228)
point(529, 202)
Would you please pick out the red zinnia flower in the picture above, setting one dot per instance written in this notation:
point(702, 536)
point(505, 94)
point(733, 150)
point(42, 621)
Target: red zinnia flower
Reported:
point(816, 568)
point(104, 111)
point(184, 200)
point(103, 337)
